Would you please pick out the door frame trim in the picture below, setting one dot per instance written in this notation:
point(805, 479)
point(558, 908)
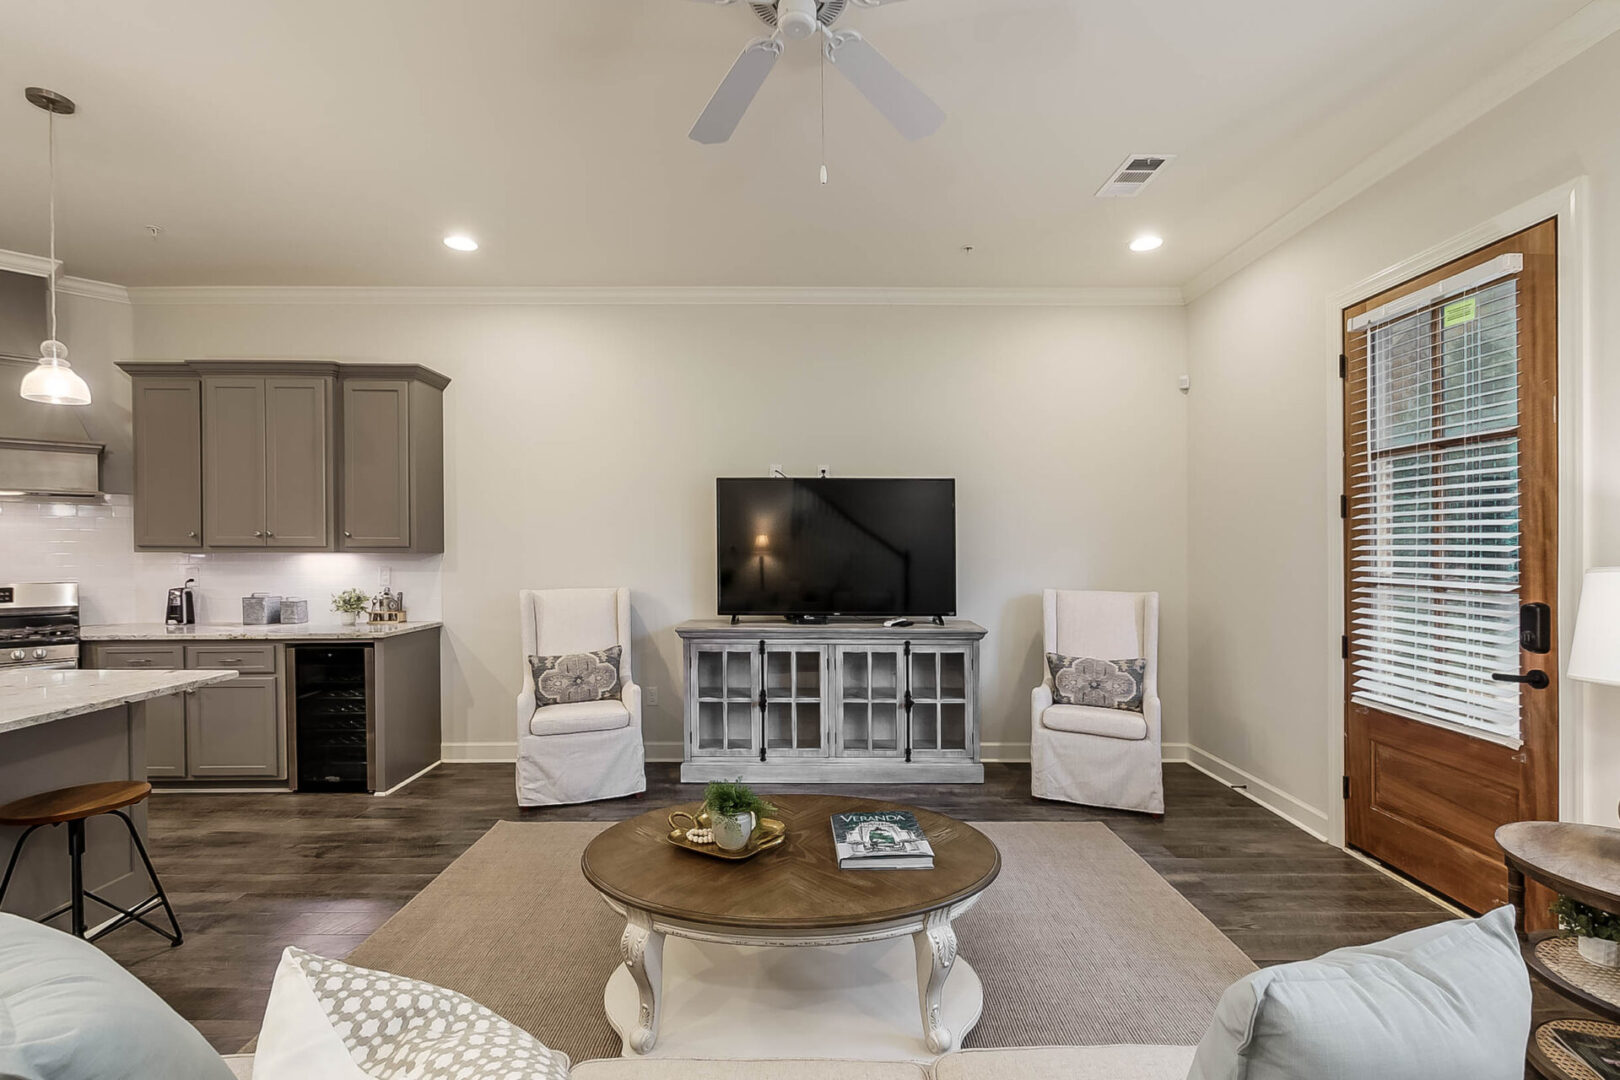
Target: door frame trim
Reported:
point(1569, 203)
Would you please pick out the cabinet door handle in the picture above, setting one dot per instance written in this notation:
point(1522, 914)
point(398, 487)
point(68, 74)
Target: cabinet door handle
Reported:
point(230, 659)
point(140, 661)
point(258, 532)
point(347, 534)
point(192, 535)
point(269, 534)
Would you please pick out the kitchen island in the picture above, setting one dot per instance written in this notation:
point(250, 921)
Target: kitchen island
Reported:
point(60, 728)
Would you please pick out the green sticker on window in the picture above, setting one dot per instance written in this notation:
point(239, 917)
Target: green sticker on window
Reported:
point(1459, 312)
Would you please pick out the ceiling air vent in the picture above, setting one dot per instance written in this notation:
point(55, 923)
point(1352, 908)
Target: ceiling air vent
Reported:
point(1134, 175)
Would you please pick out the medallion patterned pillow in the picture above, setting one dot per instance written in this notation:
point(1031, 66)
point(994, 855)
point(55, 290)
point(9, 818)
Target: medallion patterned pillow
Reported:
point(328, 1020)
point(1102, 684)
point(586, 676)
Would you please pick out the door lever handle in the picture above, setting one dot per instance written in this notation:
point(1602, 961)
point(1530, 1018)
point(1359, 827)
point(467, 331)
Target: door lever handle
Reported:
point(1535, 680)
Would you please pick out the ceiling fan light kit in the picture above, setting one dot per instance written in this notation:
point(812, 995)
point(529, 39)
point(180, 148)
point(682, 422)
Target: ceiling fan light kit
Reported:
point(911, 111)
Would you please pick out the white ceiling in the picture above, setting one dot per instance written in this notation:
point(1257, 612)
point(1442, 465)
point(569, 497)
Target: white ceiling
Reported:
point(334, 142)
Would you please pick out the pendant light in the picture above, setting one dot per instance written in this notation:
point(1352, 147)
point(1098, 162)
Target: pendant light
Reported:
point(53, 381)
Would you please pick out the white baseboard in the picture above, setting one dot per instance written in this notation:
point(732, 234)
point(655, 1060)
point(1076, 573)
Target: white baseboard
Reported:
point(1299, 814)
point(1173, 752)
point(1016, 753)
point(410, 779)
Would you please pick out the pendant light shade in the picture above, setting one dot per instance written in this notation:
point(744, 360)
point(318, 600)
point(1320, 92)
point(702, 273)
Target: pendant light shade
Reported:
point(54, 382)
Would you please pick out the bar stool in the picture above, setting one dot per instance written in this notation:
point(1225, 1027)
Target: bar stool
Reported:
point(72, 806)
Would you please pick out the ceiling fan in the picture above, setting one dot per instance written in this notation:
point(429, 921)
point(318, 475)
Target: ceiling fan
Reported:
point(910, 110)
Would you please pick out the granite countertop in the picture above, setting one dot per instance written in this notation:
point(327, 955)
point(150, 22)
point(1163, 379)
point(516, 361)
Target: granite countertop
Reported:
point(238, 632)
point(41, 695)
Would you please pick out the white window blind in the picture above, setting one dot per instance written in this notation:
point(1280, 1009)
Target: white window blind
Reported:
point(1433, 447)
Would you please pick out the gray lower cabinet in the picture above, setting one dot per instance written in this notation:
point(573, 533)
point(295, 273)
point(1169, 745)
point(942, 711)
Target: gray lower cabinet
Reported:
point(840, 703)
point(234, 729)
point(165, 716)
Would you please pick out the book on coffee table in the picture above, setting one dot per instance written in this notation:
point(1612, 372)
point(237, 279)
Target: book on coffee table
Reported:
point(881, 840)
point(1600, 1053)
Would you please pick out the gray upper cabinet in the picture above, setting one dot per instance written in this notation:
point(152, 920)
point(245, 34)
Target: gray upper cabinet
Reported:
point(376, 463)
point(168, 462)
point(233, 461)
point(300, 454)
point(298, 462)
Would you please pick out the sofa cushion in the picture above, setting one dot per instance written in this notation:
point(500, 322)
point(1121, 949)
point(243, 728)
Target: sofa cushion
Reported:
point(1068, 1063)
point(67, 1010)
point(1086, 720)
point(1447, 1002)
point(327, 1020)
point(705, 1069)
point(578, 716)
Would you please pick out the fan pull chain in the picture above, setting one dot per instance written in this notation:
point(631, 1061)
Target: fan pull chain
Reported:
point(823, 116)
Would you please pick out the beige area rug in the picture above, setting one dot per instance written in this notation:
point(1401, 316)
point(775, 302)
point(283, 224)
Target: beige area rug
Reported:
point(1078, 941)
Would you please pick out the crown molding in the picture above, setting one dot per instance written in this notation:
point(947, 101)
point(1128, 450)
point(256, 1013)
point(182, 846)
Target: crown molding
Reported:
point(653, 295)
point(94, 290)
point(20, 262)
point(1569, 39)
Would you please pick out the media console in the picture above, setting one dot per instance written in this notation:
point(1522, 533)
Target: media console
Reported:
point(846, 702)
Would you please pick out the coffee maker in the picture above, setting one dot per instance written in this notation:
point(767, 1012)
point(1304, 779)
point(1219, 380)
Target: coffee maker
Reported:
point(182, 606)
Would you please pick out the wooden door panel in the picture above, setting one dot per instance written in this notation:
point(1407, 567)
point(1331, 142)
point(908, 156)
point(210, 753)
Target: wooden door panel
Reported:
point(233, 461)
point(168, 463)
point(376, 463)
point(298, 471)
point(1427, 797)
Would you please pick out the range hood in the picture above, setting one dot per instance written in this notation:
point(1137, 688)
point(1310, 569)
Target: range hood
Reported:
point(44, 449)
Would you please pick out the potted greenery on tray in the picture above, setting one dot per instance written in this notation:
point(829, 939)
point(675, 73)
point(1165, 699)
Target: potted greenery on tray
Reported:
point(1597, 932)
point(734, 811)
point(348, 604)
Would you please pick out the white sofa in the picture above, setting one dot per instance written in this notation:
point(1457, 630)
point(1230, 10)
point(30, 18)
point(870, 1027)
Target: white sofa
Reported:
point(1097, 756)
point(580, 751)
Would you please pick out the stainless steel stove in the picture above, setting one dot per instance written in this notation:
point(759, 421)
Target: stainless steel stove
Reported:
point(39, 625)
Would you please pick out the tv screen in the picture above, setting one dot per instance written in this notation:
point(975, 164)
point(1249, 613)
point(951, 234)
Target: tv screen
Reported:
point(836, 547)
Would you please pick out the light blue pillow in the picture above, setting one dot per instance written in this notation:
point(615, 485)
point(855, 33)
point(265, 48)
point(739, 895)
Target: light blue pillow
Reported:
point(1447, 1002)
point(69, 1012)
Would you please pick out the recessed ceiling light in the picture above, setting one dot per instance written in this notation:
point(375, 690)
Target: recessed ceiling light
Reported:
point(460, 242)
point(1145, 242)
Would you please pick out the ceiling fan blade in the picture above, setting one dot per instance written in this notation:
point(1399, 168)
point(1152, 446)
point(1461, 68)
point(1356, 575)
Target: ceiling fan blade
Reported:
point(725, 110)
point(912, 112)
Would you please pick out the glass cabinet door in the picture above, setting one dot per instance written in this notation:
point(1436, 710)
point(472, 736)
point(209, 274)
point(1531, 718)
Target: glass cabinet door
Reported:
point(870, 708)
point(795, 690)
point(940, 678)
point(725, 698)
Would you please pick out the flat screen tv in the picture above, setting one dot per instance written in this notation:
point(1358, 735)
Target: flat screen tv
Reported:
point(817, 548)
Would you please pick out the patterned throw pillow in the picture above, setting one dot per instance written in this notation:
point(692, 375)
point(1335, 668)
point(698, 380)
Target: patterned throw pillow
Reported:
point(586, 676)
point(1103, 684)
point(327, 1019)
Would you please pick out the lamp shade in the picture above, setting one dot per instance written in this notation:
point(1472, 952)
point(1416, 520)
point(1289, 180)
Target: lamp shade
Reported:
point(1595, 654)
point(53, 381)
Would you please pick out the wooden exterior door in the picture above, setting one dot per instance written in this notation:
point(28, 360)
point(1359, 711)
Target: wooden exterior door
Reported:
point(1451, 534)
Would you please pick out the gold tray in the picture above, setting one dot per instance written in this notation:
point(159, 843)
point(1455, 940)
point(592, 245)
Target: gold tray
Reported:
point(768, 833)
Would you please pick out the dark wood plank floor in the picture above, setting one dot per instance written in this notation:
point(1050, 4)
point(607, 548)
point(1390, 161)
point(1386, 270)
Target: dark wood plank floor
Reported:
point(250, 874)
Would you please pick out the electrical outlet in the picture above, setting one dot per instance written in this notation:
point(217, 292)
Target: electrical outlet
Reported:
point(652, 696)
point(385, 577)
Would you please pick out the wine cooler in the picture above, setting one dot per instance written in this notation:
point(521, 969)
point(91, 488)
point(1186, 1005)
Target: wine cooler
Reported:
point(332, 685)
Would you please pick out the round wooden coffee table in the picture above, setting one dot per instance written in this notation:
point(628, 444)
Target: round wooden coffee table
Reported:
point(794, 895)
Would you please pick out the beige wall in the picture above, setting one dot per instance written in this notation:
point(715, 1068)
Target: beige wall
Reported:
point(583, 443)
point(98, 334)
point(1260, 514)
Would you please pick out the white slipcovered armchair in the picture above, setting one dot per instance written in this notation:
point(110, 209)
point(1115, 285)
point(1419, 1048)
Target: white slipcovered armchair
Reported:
point(1099, 756)
point(586, 750)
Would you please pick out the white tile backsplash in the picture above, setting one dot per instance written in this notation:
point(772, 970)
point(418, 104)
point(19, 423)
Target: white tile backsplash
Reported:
point(94, 545)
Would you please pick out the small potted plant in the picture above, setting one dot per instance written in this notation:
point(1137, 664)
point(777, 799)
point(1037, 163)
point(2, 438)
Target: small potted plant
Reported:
point(734, 811)
point(1597, 932)
point(348, 604)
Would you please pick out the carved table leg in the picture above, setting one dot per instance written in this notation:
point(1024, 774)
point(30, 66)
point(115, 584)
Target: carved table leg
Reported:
point(643, 950)
point(936, 952)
